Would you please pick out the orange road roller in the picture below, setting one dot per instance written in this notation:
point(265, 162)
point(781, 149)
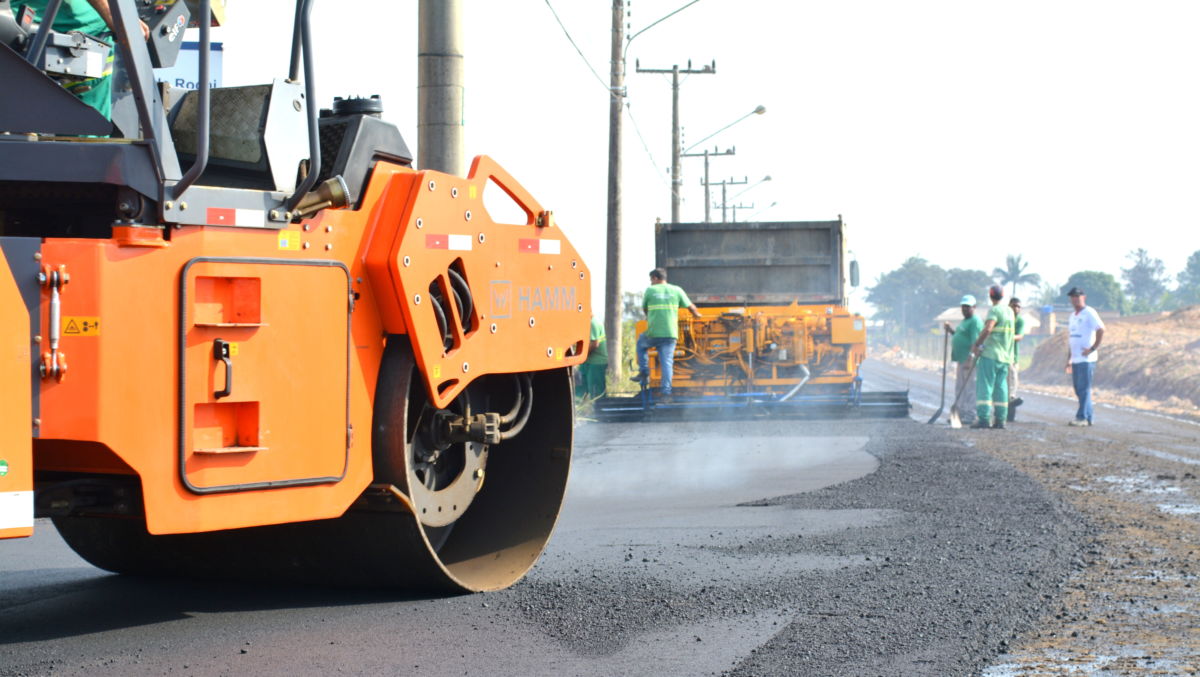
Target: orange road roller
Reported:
point(242, 336)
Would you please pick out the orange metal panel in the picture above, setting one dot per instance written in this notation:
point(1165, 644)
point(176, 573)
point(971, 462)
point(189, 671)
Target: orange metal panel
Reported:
point(16, 411)
point(531, 289)
point(849, 329)
point(122, 387)
point(285, 418)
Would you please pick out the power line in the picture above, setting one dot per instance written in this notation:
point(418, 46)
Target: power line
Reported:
point(579, 51)
point(637, 130)
point(628, 111)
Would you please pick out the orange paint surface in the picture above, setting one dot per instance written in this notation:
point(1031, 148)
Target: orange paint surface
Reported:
point(292, 439)
point(16, 412)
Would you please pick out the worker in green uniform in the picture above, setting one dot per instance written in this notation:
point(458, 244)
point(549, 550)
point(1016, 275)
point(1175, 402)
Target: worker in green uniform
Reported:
point(661, 303)
point(994, 347)
point(960, 353)
point(94, 18)
point(594, 368)
point(1018, 333)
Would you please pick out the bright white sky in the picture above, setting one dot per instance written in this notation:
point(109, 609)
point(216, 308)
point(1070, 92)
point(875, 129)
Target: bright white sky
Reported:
point(1064, 130)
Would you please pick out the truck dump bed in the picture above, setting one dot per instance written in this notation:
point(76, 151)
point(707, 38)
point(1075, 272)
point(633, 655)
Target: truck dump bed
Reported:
point(774, 336)
point(760, 263)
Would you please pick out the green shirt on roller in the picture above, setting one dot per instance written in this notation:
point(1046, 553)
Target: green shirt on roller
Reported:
point(600, 354)
point(999, 343)
point(662, 303)
point(964, 336)
point(78, 15)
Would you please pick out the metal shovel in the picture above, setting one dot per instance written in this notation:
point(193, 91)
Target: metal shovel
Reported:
point(945, 358)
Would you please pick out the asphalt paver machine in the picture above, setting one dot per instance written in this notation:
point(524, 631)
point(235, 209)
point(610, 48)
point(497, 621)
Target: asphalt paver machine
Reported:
point(775, 337)
point(240, 335)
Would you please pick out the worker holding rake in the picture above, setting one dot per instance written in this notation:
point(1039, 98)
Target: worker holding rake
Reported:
point(995, 349)
point(960, 353)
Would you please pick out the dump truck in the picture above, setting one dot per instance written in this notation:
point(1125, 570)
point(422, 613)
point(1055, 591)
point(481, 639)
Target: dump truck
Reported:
point(240, 335)
point(774, 336)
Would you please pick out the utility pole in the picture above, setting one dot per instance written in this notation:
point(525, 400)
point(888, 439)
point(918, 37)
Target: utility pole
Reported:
point(706, 154)
point(612, 282)
point(676, 145)
point(724, 200)
point(440, 87)
point(737, 207)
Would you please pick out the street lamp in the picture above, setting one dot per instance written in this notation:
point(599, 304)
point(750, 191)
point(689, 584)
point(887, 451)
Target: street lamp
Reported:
point(752, 186)
point(768, 207)
point(676, 180)
point(757, 111)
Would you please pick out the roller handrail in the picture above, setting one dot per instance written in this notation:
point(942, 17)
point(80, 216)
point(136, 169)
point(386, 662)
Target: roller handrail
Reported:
point(304, 23)
point(203, 130)
point(38, 46)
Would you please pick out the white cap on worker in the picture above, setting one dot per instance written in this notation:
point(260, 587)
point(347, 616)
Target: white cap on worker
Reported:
point(968, 300)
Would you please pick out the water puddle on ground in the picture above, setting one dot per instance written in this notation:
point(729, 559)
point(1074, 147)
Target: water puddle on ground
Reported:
point(1140, 484)
point(1186, 509)
point(1067, 663)
point(1167, 456)
point(1157, 488)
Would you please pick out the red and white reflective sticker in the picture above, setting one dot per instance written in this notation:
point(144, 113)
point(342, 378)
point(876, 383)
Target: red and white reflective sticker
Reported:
point(537, 245)
point(461, 243)
point(228, 216)
point(16, 509)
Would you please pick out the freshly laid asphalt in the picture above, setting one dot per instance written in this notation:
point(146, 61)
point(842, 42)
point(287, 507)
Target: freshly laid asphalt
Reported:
point(930, 565)
point(716, 547)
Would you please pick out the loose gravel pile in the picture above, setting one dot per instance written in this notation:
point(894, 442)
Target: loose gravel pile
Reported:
point(967, 555)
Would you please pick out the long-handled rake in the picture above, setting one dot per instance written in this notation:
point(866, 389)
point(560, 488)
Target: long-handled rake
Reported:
point(945, 358)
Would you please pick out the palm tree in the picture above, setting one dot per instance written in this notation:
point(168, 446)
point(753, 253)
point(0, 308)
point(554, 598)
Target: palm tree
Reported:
point(1014, 272)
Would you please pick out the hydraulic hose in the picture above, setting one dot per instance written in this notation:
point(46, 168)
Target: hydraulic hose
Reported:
point(526, 407)
point(798, 386)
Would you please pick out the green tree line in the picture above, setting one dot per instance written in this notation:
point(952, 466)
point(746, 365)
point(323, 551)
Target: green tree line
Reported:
point(911, 295)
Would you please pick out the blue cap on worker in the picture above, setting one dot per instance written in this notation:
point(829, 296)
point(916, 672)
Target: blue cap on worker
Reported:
point(968, 300)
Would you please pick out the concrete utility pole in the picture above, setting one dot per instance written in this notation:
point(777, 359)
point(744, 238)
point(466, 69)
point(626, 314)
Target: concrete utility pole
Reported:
point(676, 145)
point(738, 206)
point(724, 200)
point(612, 282)
point(704, 181)
point(440, 87)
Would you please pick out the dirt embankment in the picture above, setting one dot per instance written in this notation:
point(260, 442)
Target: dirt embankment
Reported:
point(1156, 359)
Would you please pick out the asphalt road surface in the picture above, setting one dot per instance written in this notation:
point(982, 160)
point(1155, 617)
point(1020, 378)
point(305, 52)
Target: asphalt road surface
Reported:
point(714, 547)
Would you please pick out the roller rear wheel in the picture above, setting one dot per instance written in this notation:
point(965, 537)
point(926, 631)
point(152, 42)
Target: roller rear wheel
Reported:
point(480, 514)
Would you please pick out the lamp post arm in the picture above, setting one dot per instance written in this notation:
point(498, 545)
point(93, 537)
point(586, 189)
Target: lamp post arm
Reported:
point(757, 111)
point(652, 25)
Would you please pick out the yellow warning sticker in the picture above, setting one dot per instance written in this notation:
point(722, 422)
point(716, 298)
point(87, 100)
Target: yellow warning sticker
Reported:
point(437, 371)
point(233, 349)
point(289, 240)
point(80, 326)
point(559, 355)
point(471, 192)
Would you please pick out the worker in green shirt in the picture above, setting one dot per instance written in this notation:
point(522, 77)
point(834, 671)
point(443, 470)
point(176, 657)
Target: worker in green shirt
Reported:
point(94, 18)
point(661, 303)
point(960, 353)
point(995, 349)
point(1014, 304)
point(594, 368)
